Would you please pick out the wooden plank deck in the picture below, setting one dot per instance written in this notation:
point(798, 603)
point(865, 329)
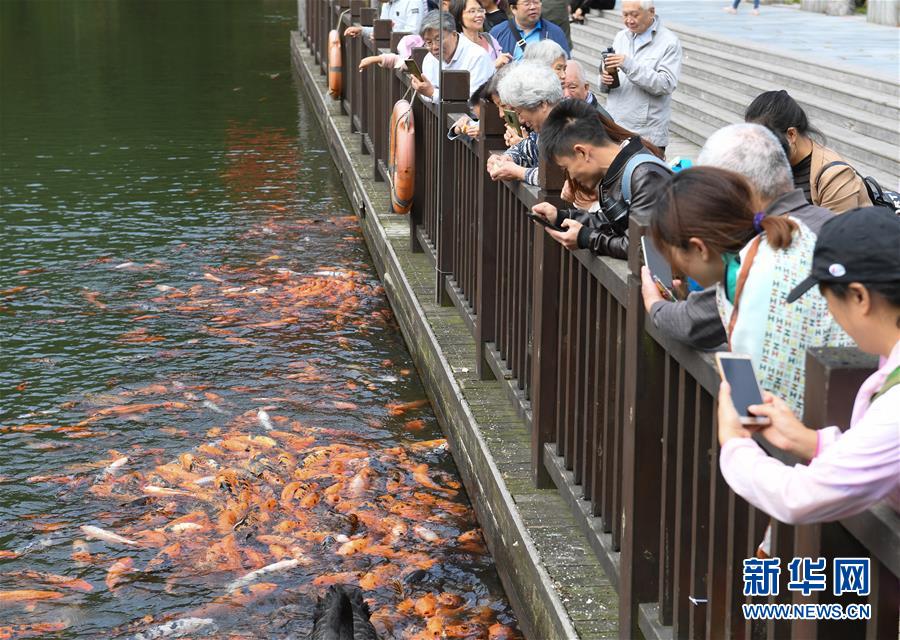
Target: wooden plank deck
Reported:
point(553, 579)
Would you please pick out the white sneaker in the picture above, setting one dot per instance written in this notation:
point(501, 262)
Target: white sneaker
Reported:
point(730, 10)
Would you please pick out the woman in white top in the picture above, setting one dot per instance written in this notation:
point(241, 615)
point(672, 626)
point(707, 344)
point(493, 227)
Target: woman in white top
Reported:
point(857, 267)
point(469, 16)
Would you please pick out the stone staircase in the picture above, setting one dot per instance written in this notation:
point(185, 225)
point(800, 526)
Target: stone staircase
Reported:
point(858, 114)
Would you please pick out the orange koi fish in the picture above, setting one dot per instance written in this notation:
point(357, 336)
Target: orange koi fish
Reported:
point(65, 582)
point(118, 571)
point(28, 595)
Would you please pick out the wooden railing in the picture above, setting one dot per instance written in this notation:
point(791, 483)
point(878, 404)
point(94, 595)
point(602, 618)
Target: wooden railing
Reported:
point(622, 418)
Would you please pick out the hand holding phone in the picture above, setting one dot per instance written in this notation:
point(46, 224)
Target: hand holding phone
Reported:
point(659, 268)
point(541, 220)
point(412, 68)
point(512, 119)
point(737, 370)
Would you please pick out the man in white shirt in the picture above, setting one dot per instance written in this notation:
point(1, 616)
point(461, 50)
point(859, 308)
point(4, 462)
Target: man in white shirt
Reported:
point(405, 16)
point(459, 54)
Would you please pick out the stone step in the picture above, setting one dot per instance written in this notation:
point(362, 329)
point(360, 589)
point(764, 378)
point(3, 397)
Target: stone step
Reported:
point(882, 101)
point(716, 87)
point(874, 135)
point(695, 119)
point(609, 22)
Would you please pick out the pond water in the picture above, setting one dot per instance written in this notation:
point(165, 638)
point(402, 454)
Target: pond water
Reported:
point(200, 375)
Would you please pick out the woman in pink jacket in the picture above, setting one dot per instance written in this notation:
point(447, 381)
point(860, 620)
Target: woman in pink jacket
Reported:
point(857, 267)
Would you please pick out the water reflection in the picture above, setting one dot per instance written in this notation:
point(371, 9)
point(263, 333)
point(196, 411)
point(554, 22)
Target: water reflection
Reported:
point(208, 411)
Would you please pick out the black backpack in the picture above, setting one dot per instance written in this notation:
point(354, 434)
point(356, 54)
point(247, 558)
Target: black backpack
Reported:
point(879, 197)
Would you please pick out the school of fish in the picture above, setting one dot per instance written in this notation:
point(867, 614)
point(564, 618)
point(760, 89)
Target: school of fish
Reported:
point(267, 491)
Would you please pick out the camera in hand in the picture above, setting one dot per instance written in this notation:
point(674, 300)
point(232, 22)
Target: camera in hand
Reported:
point(615, 74)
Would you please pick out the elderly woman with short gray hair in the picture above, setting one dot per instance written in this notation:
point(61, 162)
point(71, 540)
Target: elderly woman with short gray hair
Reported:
point(549, 53)
point(531, 89)
point(458, 54)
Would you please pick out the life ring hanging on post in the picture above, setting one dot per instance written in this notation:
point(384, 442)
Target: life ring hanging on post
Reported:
point(402, 157)
point(335, 66)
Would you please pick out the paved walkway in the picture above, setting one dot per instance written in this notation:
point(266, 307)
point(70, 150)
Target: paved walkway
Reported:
point(849, 41)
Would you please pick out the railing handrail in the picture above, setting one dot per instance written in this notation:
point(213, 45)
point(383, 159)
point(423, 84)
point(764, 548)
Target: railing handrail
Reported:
point(877, 529)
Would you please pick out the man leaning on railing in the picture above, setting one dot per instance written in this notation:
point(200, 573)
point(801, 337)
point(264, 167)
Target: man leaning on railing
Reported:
point(627, 175)
point(458, 54)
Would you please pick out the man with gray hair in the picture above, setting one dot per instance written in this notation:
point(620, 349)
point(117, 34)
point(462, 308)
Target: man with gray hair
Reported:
point(459, 54)
point(531, 89)
point(577, 86)
point(642, 74)
point(754, 152)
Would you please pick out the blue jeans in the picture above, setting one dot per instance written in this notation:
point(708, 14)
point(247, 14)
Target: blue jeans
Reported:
point(737, 2)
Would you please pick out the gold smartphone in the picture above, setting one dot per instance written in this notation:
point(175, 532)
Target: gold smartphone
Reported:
point(412, 68)
point(512, 119)
point(737, 370)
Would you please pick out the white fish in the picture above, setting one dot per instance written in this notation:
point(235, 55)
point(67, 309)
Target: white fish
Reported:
point(204, 480)
point(164, 288)
point(331, 274)
point(177, 629)
point(388, 379)
point(263, 416)
point(212, 406)
point(283, 565)
point(115, 464)
point(124, 265)
point(425, 533)
point(107, 536)
point(181, 527)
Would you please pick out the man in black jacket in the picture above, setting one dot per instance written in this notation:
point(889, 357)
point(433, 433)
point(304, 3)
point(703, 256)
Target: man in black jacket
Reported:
point(574, 138)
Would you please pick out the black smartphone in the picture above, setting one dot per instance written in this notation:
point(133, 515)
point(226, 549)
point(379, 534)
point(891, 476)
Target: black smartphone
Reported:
point(541, 220)
point(412, 68)
point(659, 268)
point(512, 119)
point(737, 370)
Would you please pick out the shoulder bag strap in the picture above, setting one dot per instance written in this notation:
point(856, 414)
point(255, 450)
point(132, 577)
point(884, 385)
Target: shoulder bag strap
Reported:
point(742, 279)
point(633, 162)
point(514, 30)
point(834, 163)
point(892, 381)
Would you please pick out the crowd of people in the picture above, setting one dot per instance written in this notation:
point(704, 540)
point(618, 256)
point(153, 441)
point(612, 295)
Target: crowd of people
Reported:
point(768, 206)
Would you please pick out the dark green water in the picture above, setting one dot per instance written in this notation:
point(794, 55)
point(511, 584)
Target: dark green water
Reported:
point(177, 254)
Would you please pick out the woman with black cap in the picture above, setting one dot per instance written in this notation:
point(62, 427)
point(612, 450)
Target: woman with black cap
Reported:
point(856, 265)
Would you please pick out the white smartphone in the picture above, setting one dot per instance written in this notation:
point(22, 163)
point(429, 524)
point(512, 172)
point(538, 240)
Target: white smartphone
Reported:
point(737, 370)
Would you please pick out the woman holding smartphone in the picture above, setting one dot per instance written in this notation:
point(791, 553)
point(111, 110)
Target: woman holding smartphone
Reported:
point(857, 268)
point(710, 227)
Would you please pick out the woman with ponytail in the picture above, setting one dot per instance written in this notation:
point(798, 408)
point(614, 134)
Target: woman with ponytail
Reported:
point(711, 228)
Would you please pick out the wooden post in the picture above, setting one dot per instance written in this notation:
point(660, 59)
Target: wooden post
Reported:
point(355, 81)
point(833, 376)
point(490, 136)
point(417, 213)
point(545, 325)
point(454, 94)
point(366, 19)
point(396, 37)
point(641, 451)
point(378, 120)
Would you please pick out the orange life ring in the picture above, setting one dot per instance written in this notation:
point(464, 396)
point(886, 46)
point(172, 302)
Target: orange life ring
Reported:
point(402, 157)
point(335, 67)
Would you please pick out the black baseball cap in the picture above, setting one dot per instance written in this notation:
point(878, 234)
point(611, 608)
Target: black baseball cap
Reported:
point(861, 245)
